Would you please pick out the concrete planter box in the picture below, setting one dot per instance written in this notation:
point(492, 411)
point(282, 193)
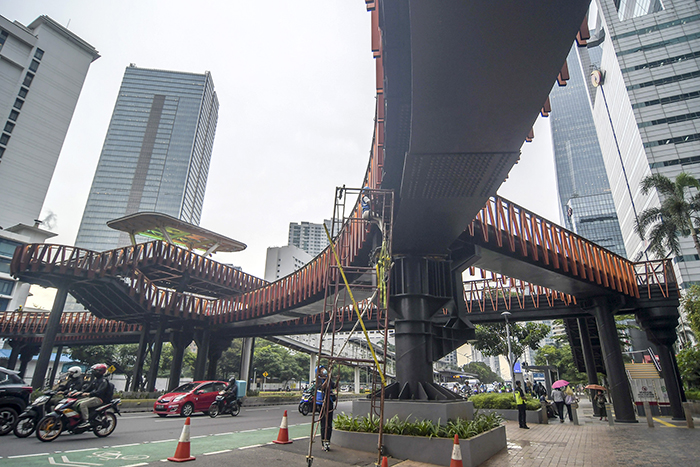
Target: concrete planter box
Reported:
point(531, 416)
point(435, 411)
point(475, 451)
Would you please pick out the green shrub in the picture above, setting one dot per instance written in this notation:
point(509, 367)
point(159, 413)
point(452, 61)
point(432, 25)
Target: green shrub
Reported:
point(692, 394)
point(395, 426)
point(500, 400)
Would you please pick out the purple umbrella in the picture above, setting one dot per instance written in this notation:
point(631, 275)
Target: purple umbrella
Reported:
point(560, 383)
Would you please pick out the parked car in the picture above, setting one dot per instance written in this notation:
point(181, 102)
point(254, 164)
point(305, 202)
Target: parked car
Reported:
point(14, 397)
point(188, 398)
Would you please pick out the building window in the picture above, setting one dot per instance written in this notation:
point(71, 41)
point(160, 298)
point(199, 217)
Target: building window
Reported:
point(5, 265)
point(34, 66)
point(18, 104)
point(39, 54)
point(23, 92)
point(28, 79)
point(6, 287)
point(8, 247)
point(4, 138)
point(14, 115)
point(3, 37)
point(2, 151)
point(9, 126)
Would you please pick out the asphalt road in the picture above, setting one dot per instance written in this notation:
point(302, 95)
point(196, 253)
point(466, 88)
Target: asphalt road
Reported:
point(142, 437)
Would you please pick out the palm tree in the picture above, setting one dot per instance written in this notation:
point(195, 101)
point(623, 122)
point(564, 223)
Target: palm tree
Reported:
point(678, 216)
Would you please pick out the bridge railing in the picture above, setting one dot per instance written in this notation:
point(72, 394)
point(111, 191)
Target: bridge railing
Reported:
point(34, 322)
point(506, 225)
point(655, 276)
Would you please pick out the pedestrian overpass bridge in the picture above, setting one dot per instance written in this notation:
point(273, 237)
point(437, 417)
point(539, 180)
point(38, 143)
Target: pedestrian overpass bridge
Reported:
point(459, 86)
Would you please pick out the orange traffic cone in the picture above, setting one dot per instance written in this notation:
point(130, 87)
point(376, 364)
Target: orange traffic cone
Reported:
point(283, 436)
point(385, 461)
point(182, 453)
point(456, 454)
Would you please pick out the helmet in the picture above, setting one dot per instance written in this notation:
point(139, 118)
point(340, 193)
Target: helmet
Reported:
point(322, 372)
point(99, 369)
point(75, 372)
point(232, 380)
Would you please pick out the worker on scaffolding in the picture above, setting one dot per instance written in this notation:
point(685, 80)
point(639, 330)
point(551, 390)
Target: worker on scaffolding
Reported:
point(325, 404)
point(366, 203)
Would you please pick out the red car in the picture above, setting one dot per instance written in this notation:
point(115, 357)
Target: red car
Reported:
point(188, 398)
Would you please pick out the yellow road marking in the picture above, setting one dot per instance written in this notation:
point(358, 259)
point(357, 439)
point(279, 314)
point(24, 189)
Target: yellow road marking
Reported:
point(665, 423)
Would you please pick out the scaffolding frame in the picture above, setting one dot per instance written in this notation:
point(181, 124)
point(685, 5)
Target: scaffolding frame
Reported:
point(373, 210)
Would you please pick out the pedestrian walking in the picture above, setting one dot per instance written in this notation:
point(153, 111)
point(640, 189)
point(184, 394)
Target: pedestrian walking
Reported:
point(325, 403)
point(600, 402)
point(570, 400)
point(520, 403)
point(558, 399)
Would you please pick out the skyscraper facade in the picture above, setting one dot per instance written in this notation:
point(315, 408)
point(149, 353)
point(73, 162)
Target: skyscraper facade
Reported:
point(586, 202)
point(309, 237)
point(42, 70)
point(156, 153)
point(647, 107)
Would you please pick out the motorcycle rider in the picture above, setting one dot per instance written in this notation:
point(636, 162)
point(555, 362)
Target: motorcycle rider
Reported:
point(231, 392)
point(94, 392)
point(73, 381)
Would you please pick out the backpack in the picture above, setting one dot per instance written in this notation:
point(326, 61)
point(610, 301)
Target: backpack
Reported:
point(109, 392)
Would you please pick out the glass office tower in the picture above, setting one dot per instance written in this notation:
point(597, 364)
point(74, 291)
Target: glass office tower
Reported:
point(586, 202)
point(156, 153)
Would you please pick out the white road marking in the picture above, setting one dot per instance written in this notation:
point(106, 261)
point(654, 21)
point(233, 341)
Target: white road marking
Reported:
point(227, 433)
point(163, 441)
point(137, 465)
point(28, 455)
point(217, 452)
point(83, 450)
point(253, 446)
point(125, 445)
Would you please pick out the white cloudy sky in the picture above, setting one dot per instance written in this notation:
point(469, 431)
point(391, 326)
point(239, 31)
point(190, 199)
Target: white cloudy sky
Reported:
point(295, 82)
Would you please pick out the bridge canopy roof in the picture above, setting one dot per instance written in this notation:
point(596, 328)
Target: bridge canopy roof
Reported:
point(172, 230)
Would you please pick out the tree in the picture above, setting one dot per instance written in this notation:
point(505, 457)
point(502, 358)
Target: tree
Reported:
point(122, 356)
point(189, 359)
point(562, 358)
point(689, 366)
point(230, 362)
point(483, 372)
point(678, 216)
point(491, 339)
point(690, 304)
point(278, 362)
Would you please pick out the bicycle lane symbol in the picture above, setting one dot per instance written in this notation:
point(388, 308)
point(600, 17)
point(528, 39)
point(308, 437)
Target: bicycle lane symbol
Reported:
point(117, 455)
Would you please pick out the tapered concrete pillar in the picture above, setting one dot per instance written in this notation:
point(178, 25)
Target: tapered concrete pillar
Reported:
point(357, 380)
point(247, 349)
point(660, 323)
point(14, 354)
point(180, 340)
point(588, 358)
point(47, 343)
point(141, 355)
point(56, 365)
point(214, 356)
point(614, 365)
point(26, 356)
point(313, 363)
point(155, 355)
point(201, 338)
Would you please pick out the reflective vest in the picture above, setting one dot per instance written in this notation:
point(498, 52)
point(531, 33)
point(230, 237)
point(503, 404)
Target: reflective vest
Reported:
point(518, 397)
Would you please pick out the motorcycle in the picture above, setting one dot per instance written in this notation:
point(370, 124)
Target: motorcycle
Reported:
point(306, 403)
point(26, 422)
point(65, 417)
point(220, 406)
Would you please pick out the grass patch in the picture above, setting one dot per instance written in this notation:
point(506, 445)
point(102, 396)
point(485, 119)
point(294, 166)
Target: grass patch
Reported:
point(500, 400)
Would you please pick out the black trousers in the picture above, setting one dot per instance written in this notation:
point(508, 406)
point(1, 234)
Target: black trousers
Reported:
point(326, 425)
point(522, 417)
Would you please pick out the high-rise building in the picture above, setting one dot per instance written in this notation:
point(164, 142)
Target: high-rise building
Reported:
point(586, 203)
point(42, 70)
point(309, 237)
point(156, 153)
point(283, 261)
point(647, 107)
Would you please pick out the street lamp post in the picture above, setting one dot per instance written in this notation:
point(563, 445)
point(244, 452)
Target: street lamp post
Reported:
point(506, 314)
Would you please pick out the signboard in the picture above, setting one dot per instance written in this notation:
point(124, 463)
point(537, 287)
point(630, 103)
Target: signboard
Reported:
point(111, 369)
point(649, 390)
point(265, 374)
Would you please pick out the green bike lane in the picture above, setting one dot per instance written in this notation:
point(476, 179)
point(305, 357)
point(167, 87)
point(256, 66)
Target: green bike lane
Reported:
point(142, 454)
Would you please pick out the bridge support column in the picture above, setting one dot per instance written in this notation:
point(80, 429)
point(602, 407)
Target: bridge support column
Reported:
point(201, 338)
point(180, 340)
point(614, 366)
point(660, 323)
point(47, 343)
point(247, 348)
point(56, 363)
point(155, 355)
point(216, 349)
point(313, 363)
point(14, 354)
point(357, 380)
point(26, 356)
point(141, 355)
point(588, 358)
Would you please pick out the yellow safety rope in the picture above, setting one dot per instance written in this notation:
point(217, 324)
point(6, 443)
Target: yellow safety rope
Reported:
point(354, 304)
